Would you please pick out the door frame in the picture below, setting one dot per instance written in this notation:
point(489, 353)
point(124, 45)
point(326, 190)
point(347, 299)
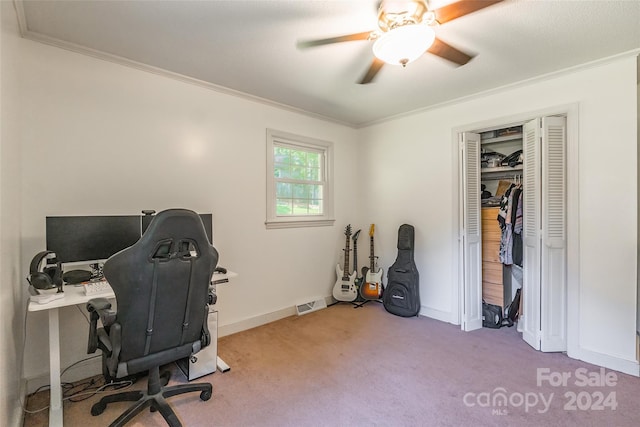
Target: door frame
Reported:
point(571, 112)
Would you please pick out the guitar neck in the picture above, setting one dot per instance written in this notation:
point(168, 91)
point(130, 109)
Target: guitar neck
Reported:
point(372, 258)
point(355, 256)
point(345, 275)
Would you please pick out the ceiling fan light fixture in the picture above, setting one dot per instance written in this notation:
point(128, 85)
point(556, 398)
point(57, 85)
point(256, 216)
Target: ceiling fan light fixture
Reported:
point(404, 44)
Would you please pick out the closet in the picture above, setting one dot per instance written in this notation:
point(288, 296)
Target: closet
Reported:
point(540, 171)
point(501, 169)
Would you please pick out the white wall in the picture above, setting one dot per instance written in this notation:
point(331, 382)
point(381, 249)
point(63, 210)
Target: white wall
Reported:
point(413, 181)
point(100, 138)
point(11, 298)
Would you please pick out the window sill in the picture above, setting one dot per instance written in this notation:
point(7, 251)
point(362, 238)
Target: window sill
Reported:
point(299, 223)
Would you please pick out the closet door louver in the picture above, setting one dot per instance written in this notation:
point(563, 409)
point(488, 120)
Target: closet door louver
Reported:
point(529, 322)
point(472, 241)
point(553, 297)
point(544, 290)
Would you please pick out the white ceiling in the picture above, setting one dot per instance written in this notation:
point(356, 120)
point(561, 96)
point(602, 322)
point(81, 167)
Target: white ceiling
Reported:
point(250, 47)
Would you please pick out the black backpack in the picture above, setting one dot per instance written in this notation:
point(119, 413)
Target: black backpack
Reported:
point(492, 316)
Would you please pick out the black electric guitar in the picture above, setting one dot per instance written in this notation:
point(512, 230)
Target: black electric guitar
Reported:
point(372, 287)
point(345, 287)
point(359, 279)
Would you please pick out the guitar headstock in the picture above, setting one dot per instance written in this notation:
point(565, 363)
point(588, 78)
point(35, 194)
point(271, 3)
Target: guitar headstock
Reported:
point(372, 229)
point(347, 230)
point(355, 235)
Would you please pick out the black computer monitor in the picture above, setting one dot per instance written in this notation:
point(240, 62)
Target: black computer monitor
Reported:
point(91, 238)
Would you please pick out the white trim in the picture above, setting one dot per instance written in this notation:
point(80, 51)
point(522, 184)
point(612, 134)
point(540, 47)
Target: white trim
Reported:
point(255, 321)
point(261, 319)
point(83, 50)
point(299, 223)
point(619, 364)
point(505, 88)
point(443, 316)
point(276, 137)
point(88, 368)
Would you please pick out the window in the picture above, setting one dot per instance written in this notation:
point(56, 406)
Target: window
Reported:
point(299, 181)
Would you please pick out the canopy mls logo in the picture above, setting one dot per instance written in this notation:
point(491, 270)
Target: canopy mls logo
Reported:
point(596, 397)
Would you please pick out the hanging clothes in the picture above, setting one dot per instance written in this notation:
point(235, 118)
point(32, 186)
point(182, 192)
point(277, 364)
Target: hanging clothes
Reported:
point(510, 219)
point(517, 233)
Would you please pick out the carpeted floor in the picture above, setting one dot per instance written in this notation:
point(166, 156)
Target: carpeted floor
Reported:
point(349, 367)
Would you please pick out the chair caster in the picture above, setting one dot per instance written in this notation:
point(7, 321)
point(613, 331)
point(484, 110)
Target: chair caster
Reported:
point(98, 408)
point(205, 395)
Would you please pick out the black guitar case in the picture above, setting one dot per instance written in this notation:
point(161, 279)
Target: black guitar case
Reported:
point(402, 294)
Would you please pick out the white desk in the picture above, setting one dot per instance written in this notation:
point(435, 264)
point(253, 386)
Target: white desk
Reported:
point(73, 295)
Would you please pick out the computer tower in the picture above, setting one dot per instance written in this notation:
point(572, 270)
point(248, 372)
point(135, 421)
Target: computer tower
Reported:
point(206, 359)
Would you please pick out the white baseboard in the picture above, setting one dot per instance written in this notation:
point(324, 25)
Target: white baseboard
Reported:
point(79, 372)
point(443, 316)
point(630, 367)
point(255, 321)
point(261, 319)
point(17, 417)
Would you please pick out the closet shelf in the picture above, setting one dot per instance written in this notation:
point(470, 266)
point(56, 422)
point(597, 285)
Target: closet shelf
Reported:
point(501, 169)
point(505, 138)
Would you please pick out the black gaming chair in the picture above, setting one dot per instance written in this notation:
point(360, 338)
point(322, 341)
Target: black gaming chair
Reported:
point(161, 285)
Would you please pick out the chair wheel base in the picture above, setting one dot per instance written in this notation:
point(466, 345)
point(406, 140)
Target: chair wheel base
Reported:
point(205, 395)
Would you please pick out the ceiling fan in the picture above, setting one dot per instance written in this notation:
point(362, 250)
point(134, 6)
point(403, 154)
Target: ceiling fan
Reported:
point(405, 32)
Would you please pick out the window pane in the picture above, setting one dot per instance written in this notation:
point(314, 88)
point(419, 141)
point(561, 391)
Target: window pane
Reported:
point(298, 157)
point(313, 159)
point(283, 190)
point(281, 155)
point(282, 171)
point(299, 190)
point(315, 192)
point(283, 207)
point(313, 174)
point(315, 207)
point(300, 206)
point(298, 173)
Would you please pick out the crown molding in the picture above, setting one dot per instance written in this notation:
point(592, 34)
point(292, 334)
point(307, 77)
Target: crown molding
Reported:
point(83, 50)
point(510, 86)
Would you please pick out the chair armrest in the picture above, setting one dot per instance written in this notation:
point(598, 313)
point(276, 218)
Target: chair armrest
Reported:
point(98, 308)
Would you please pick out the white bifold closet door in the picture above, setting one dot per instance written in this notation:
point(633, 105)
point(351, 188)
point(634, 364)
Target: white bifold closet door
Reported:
point(471, 229)
point(544, 289)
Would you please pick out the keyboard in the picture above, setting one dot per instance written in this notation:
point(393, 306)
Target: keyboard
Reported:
point(99, 287)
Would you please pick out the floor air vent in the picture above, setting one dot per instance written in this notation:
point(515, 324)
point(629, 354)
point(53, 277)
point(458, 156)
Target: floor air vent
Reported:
point(308, 307)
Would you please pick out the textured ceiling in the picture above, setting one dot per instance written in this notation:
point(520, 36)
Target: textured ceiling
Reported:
point(250, 47)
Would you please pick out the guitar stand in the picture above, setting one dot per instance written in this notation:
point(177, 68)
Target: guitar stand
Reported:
point(360, 304)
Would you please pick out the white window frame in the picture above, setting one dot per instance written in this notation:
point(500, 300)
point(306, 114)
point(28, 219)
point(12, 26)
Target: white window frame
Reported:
point(277, 138)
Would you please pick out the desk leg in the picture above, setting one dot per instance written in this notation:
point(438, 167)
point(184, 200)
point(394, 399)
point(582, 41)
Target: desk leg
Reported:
point(55, 409)
point(222, 367)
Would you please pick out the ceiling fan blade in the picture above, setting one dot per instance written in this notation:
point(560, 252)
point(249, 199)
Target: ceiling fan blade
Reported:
point(372, 71)
point(456, 10)
point(346, 38)
point(448, 52)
